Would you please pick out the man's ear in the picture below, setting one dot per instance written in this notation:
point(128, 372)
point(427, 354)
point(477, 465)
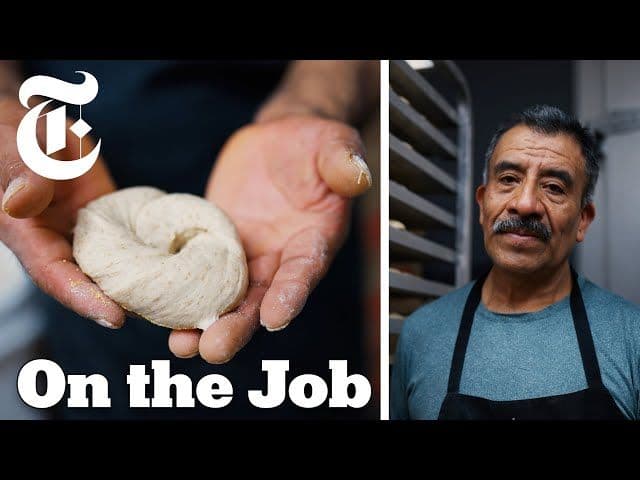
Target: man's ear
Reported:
point(479, 198)
point(586, 217)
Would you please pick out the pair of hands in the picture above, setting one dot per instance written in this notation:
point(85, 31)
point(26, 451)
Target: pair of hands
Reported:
point(284, 182)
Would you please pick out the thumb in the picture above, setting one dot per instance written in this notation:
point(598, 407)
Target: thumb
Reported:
point(341, 163)
point(26, 194)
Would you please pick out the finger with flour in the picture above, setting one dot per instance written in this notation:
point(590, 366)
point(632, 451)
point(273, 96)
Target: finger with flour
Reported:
point(222, 340)
point(341, 162)
point(46, 256)
point(305, 260)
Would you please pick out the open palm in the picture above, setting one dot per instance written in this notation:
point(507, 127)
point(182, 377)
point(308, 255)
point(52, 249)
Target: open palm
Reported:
point(286, 185)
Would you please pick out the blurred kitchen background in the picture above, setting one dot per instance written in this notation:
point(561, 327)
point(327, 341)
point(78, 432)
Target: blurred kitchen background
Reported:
point(21, 324)
point(440, 109)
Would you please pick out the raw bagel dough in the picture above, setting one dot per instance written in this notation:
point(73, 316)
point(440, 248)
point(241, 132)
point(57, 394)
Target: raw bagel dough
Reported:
point(173, 259)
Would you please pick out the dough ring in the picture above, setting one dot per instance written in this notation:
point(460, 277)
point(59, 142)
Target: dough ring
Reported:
point(174, 259)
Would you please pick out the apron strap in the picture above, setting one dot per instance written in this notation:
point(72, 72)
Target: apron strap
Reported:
point(583, 332)
point(580, 322)
point(463, 333)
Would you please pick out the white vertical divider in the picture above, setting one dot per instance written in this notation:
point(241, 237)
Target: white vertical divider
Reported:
point(384, 239)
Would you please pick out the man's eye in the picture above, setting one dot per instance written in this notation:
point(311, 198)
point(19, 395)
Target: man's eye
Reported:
point(508, 179)
point(555, 188)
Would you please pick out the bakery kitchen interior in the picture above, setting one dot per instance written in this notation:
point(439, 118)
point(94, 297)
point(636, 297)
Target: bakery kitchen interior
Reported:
point(442, 117)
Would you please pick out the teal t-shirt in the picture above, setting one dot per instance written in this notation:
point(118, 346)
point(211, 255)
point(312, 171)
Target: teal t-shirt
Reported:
point(515, 356)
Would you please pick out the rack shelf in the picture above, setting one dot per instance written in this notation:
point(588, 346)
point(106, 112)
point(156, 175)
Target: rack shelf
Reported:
point(426, 99)
point(408, 246)
point(418, 130)
point(416, 171)
point(415, 211)
point(410, 284)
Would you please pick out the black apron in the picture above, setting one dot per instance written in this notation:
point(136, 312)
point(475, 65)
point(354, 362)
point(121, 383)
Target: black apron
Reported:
point(593, 403)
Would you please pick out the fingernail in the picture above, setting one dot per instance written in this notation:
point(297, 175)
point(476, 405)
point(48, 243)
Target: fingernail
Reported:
point(185, 356)
point(106, 324)
point(220, 362)
point(277, 329)
point(14, 187)
point(364, 174)
point(228, 359)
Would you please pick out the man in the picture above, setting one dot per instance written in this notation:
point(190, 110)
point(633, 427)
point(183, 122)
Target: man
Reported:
point(290, 164)
point(530, 339)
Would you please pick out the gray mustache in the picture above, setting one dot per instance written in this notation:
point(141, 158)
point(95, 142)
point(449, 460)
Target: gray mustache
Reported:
point(530, 225)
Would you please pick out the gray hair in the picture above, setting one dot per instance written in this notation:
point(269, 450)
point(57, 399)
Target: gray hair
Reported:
point(551, 121)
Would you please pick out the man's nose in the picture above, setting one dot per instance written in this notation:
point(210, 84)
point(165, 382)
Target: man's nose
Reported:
point(526, 201)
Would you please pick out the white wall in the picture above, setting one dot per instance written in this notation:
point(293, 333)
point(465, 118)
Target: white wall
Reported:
point(610, 254)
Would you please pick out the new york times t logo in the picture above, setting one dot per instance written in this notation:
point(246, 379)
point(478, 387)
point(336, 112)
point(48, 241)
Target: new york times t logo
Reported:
point(56, 138)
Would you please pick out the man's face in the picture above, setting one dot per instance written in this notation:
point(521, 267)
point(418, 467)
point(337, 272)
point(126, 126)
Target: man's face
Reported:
point(530, 207)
